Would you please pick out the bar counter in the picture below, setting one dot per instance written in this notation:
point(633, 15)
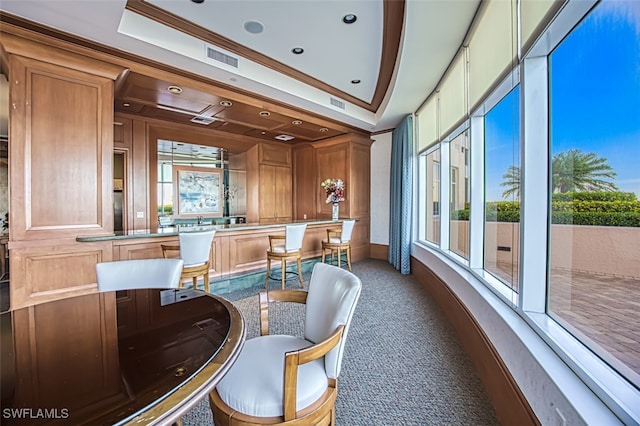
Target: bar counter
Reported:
point(238, 251)
point(172, 231)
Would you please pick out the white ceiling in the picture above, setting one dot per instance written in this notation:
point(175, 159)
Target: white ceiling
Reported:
point(334, 52)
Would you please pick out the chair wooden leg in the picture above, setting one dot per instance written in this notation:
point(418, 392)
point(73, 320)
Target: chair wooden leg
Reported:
point(300, 273)
point(284, 271)
point(339, 257)
point(266, 280)
point(195, 283)
point(349, 257)
point(207, 288)
point(323, 254)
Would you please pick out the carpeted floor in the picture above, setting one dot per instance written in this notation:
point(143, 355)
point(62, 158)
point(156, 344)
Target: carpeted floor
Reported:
point(402, 365)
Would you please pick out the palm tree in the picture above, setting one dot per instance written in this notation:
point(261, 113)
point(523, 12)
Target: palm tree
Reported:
point(577, 171)
point(511, 182)
point(572, 170)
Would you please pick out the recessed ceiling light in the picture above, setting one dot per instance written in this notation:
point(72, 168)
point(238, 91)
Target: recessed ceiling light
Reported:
point(198, 1)
point(265, 113)
point(297, 50)
point(226, 103)
point(349, 18)
point(253, 27)
point(175, 89)
point(324, 129)
point(126, 104)
point(356, 81)
point(296, 122)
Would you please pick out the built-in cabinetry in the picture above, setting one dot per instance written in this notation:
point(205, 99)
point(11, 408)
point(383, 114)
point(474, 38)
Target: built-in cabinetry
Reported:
point(61, 154)
point(269, 186)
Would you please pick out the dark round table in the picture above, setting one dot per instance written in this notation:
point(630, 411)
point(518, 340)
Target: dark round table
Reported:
point(125, 357)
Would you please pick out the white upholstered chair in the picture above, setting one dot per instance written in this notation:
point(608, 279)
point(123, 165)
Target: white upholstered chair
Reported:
point(287, 247)
point(283, 379)
point(139, 273)
point(194, 250)
point(339, 240)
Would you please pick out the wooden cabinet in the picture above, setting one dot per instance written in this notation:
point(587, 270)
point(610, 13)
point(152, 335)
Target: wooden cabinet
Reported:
point(275, 193)
point(269, 185)
point(61, 154)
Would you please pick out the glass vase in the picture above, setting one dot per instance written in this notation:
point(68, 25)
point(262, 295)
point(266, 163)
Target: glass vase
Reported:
point(335, 212)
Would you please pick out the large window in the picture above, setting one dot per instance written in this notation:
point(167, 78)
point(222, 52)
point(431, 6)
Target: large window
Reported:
point(594, 243)
point(502, 189)
point(552, 165)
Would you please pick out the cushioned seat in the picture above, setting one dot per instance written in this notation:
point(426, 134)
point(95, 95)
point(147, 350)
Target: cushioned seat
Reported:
point(283, 379)
point(261, 394)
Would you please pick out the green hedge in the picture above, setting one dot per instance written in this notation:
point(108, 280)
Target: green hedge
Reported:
point(577, 208)
point(167, 210)
point(595, 196)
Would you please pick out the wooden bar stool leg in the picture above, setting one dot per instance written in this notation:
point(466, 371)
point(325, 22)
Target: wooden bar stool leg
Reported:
point(349, 256)
point(266, 280)
point(206, 281)
point(339, 256)
point(300, 272)
point(195, 283)
point(284, 270)
point(323, 253)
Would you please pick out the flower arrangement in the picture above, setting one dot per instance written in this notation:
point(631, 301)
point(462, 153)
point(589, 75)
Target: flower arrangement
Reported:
point(334, 189)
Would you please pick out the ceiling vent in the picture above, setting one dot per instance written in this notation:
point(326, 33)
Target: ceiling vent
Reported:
point(337, 103)
point(200, 119)
point(222, 57)
point(284, 137)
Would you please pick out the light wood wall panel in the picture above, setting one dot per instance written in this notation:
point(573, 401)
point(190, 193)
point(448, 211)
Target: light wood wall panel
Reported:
point(360, 181)
point(41, 273)
point(332, 163)
point(61, 134)
point(305, 188)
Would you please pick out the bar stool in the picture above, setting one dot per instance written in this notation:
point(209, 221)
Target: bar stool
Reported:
point(195, 250)
point(286, 247)
point(339, 239)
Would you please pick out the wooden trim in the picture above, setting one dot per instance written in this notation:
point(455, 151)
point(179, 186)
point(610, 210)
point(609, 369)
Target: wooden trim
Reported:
point(508, 400)
point(392, 30)
point(379, 251)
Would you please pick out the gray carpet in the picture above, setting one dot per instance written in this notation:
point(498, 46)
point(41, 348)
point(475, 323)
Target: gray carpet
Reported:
point(402, 365)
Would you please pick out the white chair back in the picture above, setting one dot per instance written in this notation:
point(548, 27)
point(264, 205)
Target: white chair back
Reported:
point(294, 234)
point(347, 229)
point(333, 295)
point(195, 247)
point(140, 273)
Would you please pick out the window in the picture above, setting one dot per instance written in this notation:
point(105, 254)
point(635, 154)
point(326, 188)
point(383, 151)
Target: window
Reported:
point(432, 225)
point(502, 189)
point(594, 132)
point(458, 199)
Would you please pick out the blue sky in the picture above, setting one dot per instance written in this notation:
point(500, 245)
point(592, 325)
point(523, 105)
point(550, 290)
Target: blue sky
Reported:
point(595, 96)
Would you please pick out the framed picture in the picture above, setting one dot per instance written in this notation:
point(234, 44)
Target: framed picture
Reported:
point(198, 192)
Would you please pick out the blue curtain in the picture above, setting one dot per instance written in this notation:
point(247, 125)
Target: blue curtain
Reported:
point(401, 196)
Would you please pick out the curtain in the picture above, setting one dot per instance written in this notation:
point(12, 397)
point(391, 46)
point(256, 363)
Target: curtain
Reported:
point(401, 196)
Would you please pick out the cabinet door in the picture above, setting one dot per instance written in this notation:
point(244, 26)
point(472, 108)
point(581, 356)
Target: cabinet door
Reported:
point(282, 193)
point(267, 197)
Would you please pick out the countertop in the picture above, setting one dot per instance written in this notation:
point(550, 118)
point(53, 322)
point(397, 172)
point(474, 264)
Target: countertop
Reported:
point(169, 231)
